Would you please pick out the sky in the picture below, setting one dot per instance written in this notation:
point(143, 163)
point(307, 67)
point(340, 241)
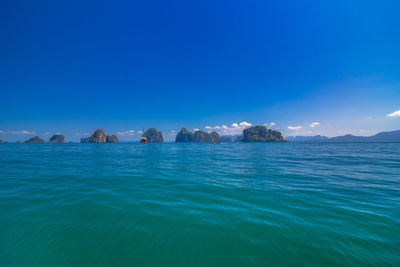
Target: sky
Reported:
point(301, 67)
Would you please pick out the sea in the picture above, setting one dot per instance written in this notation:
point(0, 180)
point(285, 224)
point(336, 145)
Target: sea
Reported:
point(200, 204)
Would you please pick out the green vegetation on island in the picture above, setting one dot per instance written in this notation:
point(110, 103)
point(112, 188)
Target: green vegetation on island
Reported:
point(112, 139)
point(261, 134)
point(98, 137)
point(35, 139)
point(153, 136)
point(214, 138)
point(184, 136)
point(199, 136)
point(57, 138)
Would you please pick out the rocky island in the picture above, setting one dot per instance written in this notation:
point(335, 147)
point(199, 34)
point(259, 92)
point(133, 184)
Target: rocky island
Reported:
point(100, 137)
point(153, 136)
point(57, 138)
point(4, 142)
point(33, 140)
point(261, 134)
point(184, 136)
point(199, 136)
point(112, 139)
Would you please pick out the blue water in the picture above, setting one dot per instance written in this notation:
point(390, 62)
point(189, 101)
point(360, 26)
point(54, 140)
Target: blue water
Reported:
point(238, 204)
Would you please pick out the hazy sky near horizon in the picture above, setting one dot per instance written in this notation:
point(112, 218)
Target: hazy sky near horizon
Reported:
point(303, 67)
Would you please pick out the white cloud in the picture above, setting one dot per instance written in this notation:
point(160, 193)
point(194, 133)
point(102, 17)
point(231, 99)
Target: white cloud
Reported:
point(1, 131)
point(139, 132)
point(195, 130)
point(125, 133)
point(314, 124)
point(295, 128)
point(173, 131)
point(244, 124)
point(394, 114)
point(235, 129)
point(21, 132)
point(271, 124)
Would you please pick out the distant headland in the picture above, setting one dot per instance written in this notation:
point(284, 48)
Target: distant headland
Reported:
point(393, 136)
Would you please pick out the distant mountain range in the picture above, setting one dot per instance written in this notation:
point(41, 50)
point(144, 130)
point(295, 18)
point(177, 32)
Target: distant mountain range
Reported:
point(393, 136)
point(300, 138)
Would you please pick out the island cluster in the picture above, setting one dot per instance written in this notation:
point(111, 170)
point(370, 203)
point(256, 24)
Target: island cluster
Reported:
point(252, 134)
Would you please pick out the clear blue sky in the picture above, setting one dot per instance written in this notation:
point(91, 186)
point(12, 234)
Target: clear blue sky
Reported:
point(72, 67)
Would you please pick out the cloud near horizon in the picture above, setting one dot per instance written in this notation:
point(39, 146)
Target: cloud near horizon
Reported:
point(126, 133)
point(295, 128)
point(235, 129)
point(394, 114)
point(20, 132)
point(315, 124)
point(270, 125)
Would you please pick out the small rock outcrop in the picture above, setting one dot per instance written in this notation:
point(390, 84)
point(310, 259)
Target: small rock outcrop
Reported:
point(199, 137)
point(57, 138)
point(153, 136)
point(184, 136)
point(98, 137)
point(85, 140)
point(261, 134)
point(112, 139)
point(35, 139)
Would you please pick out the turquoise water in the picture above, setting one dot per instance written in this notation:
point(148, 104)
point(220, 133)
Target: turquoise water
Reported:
point(185, 204)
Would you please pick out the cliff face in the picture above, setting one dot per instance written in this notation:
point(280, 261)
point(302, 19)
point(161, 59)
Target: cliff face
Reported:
point(215, 138)
point(184, 136)
point(98, 137)
point(57, 138)
point(199, 136)
point(112, 139)
point(35, 139)
point(261, 134)
point(153, 136)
